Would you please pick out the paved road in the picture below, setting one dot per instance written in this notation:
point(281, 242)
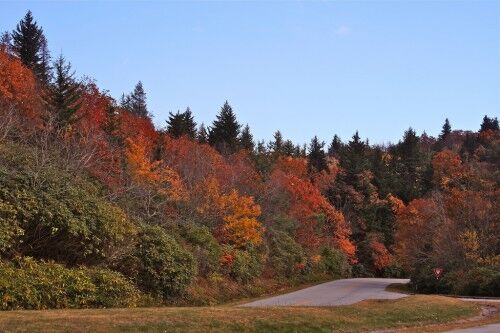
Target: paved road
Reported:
point(339, 292)
point(493, 328)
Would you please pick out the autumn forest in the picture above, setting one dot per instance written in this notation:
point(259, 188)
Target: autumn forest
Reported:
point(100, 208)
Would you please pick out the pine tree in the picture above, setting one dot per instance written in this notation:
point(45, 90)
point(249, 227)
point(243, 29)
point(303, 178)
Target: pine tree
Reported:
point(445, 131)
point(353, 157)
point(30, 45)
point(288, 148)
point(6, 42)
point(489, 124)
point(276, 146)
point(202, 136)
point(180, 124)
point(246, 139)
point(223, 134)
point(64, 93)
point(44, 69)
point(136, 101)
point(316, 160)
point(335, 146)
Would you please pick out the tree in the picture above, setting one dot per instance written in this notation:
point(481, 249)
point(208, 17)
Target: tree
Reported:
point(30, 45)
point(445, 131)
point(64, 93)
point(223, 134)
point(180, 124)
point(6, 42)
point(135, 103)
point(316, 160)
point(44, 69)
point(276, 146)
point(489, 124)
point(202, 134)
point(246, 139)
point(335, 146)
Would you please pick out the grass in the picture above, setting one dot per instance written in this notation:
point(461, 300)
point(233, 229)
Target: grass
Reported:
point(365, 316)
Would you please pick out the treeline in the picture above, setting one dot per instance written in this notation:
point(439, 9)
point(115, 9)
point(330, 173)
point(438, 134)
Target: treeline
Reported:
point(100, 208)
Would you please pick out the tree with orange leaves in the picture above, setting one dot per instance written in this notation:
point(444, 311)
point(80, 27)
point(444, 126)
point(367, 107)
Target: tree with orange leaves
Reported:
point(233, 216)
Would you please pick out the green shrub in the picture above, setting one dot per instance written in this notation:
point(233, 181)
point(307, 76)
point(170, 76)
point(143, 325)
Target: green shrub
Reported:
point(31, 284)
point(423, 280)
point(334, 262)
point(246, 265)
point(63, 217)
point(285, 254)
point(9, 226)
point(159, 264)
point(478, 281)
point(204, 247)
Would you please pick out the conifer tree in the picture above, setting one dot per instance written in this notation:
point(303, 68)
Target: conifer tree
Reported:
point(225, 130)
point(246, 139)
point(353, 157)
point(6, 42)
point(64, 93)
point(445, 131)
point(30, 45)
point(202, 136)
point(136, 101)
point(276, 146)
point(335, 146)
point(180, 124)
point(489, 124)
point(316, 160)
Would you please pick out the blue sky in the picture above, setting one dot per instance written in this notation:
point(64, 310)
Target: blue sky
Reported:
point(306, 68)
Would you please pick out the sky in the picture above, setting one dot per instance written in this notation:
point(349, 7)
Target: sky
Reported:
point(304, 67)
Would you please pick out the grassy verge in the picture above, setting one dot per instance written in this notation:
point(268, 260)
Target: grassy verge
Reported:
point(364, 316)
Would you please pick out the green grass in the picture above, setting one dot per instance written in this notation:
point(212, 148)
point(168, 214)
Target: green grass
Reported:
point(364, 316)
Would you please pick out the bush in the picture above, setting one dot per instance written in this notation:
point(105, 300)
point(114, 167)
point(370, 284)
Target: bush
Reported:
point(159, 265)
point(334, 262)
point(243, 265)
point(30, 284)
point(285, 254)
point(204, 246)
point(62, 217)
point(423, 280)
point(9, 226)
point(479, 281)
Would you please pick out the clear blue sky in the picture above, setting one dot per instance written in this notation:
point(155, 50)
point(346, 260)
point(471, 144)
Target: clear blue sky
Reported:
point(304, 67)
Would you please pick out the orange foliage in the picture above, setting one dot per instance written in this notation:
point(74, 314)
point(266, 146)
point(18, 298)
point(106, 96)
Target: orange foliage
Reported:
point(18, 87)
point(319, 222)
point(239, 215)
point(447, 167)
point(131, 126)
point(155, 173)
point(380, 255)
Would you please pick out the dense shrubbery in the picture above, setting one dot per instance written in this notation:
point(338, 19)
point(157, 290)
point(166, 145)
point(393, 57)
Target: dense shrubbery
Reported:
point(158, 264)
point(30, 284)
point(54, 214)
point(285, 254)
point(205, 248)
point(335, 263)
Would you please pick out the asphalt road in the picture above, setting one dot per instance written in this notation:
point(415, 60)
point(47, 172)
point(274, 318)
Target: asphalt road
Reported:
point(339, 292)
point(493, 328)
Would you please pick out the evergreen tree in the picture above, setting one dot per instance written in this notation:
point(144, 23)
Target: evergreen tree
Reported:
point(445, 131)
point(261, 147)
point(202, 134)
point(225, 130)
point(316, 160)
point(6, 42)
point(276, 146)
point(335, 146)
point(246, 139)
point(489, 124)
point(180, 124)
point(136, 101)
point(353, 157)
point(288, 148)
point(64, 93)
point(30, 45)
point(44, 69)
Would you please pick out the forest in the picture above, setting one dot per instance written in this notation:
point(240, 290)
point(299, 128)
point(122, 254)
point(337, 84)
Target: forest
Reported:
point(100, 208)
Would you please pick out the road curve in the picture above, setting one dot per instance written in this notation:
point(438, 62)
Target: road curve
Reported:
point(339, 292)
